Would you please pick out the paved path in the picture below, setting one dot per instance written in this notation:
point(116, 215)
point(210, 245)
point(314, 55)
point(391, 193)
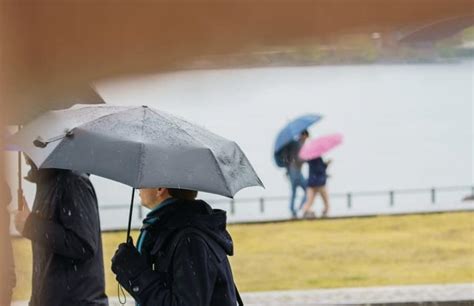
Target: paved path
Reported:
point(401, 295)
point(364, 296)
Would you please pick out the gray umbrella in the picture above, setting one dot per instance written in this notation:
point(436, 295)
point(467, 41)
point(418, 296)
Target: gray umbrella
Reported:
point(138, 146)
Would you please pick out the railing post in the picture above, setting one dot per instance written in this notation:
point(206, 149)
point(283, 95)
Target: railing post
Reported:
point(349, 200)
point(392, 198)
point(140, 212)
point(262, 205)
point(433, 195)
point(232, 207)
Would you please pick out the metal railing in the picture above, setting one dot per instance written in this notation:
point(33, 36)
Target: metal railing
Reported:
point(391, 196)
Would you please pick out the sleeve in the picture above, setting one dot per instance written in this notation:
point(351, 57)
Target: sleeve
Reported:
point(194, 274)
point(75, 232)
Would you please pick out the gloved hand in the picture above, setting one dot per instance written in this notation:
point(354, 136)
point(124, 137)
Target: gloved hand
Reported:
point(127, 262)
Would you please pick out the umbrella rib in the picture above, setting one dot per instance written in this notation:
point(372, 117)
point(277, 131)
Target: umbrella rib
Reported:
point(177, 126)
point(141, 151)
point(207, 147)
point(50, 154)
point(221, 174)
point(95, 119)
point(106, 115)
point(79, 126)
point(250, 165)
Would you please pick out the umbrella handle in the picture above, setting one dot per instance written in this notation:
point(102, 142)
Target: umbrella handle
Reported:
point(128, 238)
point(20, 199)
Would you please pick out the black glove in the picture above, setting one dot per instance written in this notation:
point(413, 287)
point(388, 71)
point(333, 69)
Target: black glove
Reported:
point(127, 262)
point(132, 270)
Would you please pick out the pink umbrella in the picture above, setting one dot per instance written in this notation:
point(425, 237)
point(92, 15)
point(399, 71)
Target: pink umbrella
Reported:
point(317, 147)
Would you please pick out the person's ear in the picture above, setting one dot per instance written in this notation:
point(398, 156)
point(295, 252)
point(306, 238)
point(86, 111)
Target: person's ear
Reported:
point(160, 192)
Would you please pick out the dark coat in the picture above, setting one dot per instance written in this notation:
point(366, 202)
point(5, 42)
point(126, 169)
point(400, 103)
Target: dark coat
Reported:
point(187, 245)
point(64, 229)
point(317, 172)
point(289, 155)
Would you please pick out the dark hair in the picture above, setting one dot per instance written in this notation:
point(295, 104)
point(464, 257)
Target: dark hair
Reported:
point(305, 133)
point(183, 194)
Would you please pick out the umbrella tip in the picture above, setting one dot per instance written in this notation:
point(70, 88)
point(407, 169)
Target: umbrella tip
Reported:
point(145, 106)
point(39, 143)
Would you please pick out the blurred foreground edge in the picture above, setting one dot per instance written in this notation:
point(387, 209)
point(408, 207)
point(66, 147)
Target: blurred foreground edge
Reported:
point(53, 49)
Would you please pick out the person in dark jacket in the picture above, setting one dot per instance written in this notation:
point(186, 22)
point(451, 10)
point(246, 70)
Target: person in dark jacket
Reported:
point(316, 185)
point(64, 229)
point(293, 170)
point(7, 268)
point(181, 254)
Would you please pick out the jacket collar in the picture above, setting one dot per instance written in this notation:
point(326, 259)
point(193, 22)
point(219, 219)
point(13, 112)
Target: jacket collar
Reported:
point(153, 215)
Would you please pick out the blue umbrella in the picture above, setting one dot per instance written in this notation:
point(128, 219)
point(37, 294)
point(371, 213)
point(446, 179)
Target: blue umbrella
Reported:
point(291, 133)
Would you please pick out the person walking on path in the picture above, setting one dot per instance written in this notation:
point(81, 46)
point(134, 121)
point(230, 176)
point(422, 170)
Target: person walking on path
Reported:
point(293, 170)
point(64, 230)
point(181, 253)
point(316, 185)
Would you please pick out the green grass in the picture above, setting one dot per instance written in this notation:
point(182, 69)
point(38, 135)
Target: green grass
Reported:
point(402, 250)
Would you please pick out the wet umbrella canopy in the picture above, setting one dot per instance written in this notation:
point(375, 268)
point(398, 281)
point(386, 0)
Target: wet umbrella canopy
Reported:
point(138, 146)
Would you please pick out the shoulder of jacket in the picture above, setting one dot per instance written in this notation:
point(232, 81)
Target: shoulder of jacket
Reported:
point(194, 237)
point(191, 235)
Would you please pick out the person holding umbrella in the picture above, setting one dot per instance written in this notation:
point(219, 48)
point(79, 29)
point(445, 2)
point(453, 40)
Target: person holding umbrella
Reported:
point(168, 159)
point(293, 170)
point(64, 230)
point(312, 152)
point(316, 185)
point(181, 253)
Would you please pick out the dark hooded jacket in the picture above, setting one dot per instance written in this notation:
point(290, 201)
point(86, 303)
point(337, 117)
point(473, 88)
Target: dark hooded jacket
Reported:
point(64, 230)
point(186, 244)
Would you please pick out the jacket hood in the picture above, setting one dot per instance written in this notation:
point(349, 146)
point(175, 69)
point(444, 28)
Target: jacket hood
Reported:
point(197, 214)
point(38, 176)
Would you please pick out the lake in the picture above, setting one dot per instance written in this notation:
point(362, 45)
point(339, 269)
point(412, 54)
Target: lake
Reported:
point(404, 126)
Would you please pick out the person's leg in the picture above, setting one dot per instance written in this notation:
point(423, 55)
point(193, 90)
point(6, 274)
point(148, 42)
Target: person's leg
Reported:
point(294, 184)
point(311, 194)
point(324, 194)
point(303, 183)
